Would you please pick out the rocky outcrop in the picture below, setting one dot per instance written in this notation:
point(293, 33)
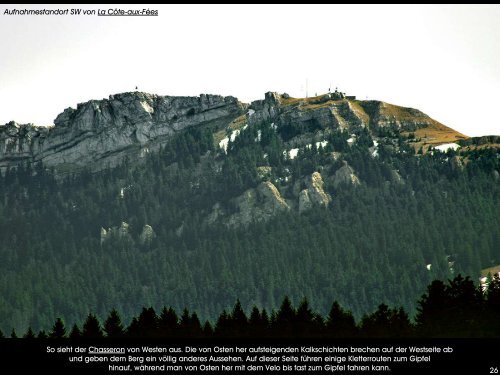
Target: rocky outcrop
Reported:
point(272, 196)
point(104, 235)
point(265, 201)
point(123, 231)
point(147, 235)
point(323, 112)
point(264, 172)
point(259, 204)
point(99, 133)
point(395, 177)
point(305, 202)
point(120, 232)
point(345, 176)
point(265, 110)
point(314, 194)
point(456, 163)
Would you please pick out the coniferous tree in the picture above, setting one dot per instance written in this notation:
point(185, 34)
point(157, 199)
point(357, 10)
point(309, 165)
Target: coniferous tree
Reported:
point(42, 335)
point(258, 322)
point(207, 329)
point(58, 330)
point(431, 318)
point(466, 306)
point(284, 318)
point(340, 323)
point(307, 323)
point(75, 333)
point(168, 323)
point(113, 325)
point(238, 321)
point(92, 327)
point(223, 325)
point(147, 322)
point(133, 330)
point(400, 324)
point(194, 329)
point(29, 334)
point(377, 324)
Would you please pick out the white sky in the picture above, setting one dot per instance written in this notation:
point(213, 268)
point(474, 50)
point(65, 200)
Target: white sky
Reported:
point(441, 59)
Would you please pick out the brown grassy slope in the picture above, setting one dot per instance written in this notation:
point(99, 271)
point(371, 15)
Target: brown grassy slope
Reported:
point(436, 134)
point(433, 134)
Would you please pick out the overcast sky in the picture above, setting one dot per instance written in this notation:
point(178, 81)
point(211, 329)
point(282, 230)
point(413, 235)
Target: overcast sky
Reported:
point(441, 59)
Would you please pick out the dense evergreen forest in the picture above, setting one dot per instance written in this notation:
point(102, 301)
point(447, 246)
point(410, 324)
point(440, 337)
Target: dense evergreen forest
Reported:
point(413, 218)
point(456, 309)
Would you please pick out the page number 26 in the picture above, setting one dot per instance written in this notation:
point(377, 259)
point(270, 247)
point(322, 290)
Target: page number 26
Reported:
point(493, 370)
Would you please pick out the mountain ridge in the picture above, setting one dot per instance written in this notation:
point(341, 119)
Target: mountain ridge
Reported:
point(101, 133)
point(97, 129)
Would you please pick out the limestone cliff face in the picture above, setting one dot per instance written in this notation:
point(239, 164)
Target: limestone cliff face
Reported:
point(99, 133)
point(18, 140)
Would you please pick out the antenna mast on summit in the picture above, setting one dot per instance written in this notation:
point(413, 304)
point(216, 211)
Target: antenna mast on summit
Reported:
point(307, 88)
